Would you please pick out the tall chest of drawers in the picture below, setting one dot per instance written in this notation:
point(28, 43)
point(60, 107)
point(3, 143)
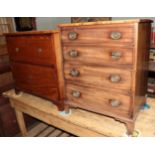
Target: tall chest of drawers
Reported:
point(105, 67)
point(36, 61)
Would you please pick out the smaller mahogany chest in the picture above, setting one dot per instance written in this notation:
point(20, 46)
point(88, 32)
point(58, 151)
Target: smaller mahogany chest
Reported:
point(35, 62)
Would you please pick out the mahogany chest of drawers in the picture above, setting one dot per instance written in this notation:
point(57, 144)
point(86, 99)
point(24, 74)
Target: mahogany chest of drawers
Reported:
point(36, 61)
point(105, 67)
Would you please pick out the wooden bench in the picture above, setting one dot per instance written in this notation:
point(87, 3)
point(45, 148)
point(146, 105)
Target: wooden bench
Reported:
point(79, 122)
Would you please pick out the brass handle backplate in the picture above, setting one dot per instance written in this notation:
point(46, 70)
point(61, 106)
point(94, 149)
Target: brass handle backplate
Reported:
point(115, 78)
point(115, 35)
point(116, 55)
point(115, 103)
point(74, 73)
point(73, 53)
point(72, 35)
point(76, 94)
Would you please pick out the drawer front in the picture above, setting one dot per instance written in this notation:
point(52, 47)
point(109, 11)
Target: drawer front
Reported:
point(41, 49)
point(99, 55)
point(107, 77)
point(41, 81)
point(100, 34)
point(100, 101)
point(16, 47)
point(33, 49)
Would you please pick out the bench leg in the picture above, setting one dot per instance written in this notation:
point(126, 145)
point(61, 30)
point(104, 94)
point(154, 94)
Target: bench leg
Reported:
point(21, 122)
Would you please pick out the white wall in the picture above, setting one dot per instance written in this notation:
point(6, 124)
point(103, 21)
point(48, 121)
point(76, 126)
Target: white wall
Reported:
point(123, 18)
point(47, 23)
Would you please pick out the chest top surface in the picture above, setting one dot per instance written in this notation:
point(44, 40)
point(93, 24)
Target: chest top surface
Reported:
point(106, 22)
point(27, 33)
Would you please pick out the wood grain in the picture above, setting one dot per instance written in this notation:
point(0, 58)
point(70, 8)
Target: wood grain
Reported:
point(39, 80)
point(99, 100)
point(21, 122)
point(39, 60)
point(99, 34)
point(131, 21)
point(32, 33)
point(93, 65)
point(82, 122)
point(141, 65)
point(99, 76)
point(99, 55)
point(32, 49)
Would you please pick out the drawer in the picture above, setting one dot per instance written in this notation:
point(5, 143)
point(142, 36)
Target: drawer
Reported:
point(38, 80)
point(107, 77)
point(41, 49)
point(97, 100)
point(99, 55)
point(36, 50)
point(16, 47)
point(99, 34)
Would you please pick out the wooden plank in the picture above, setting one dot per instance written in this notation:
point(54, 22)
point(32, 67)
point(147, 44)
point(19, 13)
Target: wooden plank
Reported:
point(64, 134)
point(37, 130)
point(57, 122)
point(46, 132)
point(81, 122)
point(55, 133)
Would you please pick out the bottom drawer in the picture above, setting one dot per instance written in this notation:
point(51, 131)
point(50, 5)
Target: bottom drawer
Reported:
point(100, 101)
point(37, 80)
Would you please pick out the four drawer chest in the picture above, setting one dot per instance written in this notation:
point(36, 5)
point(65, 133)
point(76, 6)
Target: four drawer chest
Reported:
point(105, 67)
point(35, 62)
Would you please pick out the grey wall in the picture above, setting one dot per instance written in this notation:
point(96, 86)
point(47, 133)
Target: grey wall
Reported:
point(123, 18)
point(46, 23)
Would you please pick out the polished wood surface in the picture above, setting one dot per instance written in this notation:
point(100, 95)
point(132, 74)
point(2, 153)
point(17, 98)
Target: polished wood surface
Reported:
point(32, 33)
point(99, 100)
point(110, 56)
point(32, 49)
point(141, 65)
point(98, 55)
point(99, 76)
point(35, 65)
point(99, 34)
point(106, 22)
point(36, 79)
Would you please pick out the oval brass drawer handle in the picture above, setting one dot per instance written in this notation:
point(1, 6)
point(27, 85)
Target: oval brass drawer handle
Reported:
point(115, 35)
point(74, 73)
point(115, 103)
point(17, 49)
point(72, 35)
point(115, 78)
point(73, 53)
point(115, 55)
point(76, 94)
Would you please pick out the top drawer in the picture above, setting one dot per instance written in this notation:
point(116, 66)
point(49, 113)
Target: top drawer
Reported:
point(111, 34)
point(33, 49)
